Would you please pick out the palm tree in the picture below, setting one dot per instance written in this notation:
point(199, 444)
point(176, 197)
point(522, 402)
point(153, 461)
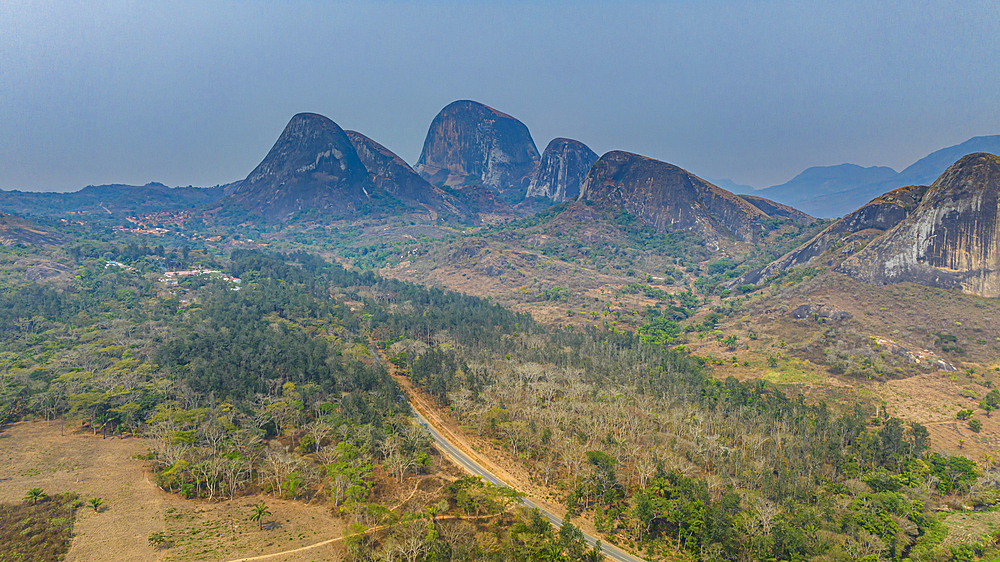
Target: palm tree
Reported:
point(95, 503)
point(34, 495)
point(258, 513)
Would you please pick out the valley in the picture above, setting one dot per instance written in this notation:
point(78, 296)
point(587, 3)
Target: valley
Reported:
point(680, 372)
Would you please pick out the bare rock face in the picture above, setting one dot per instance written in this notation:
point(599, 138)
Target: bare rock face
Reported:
point(669, 198)
point(313, 165)
point(951, 240)
point(469, 142)
point(391, 173)
point(564, 164)
point(775, 209)
point(879, 215)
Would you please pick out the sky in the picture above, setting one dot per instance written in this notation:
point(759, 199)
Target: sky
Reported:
point(196, 93)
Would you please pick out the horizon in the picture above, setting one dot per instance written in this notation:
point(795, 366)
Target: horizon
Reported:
point(755, 93)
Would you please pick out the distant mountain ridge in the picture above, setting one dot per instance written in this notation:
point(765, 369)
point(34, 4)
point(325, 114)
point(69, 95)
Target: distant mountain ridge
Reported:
point(825, 180)
point(110, 200)
point(830, 191)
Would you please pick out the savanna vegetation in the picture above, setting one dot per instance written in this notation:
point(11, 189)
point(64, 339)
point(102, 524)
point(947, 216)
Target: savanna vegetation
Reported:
point(280, 385)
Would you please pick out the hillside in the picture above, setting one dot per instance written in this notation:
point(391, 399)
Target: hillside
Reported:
point(847, 234)
point(391, 173)
point(669, 198)
point(951, 240)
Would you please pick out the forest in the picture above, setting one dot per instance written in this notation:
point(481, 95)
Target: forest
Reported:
point(283, 385)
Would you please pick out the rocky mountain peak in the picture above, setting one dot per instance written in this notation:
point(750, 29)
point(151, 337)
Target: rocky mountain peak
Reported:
point(951, 240)
point(312, 165)
point(469, 142)
point(564, 164)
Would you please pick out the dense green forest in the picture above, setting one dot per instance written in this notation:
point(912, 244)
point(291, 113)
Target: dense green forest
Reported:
point(277, 385)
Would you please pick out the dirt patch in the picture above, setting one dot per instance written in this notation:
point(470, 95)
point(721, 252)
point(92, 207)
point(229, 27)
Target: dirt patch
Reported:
point(36, 454)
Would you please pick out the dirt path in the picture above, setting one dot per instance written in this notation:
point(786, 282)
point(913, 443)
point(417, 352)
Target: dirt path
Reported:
point(331, 541)
point(495, 461)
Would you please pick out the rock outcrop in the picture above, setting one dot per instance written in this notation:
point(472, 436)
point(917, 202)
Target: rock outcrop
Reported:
point(951, 240)
point(469, 143)
point(669, 198)
point(564, 164)
point(485, 206)
point(876, 216)
point(391, 173)
point(313, 165)
point(819, 310)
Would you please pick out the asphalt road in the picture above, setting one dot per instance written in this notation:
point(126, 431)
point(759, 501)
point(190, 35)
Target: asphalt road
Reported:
point(610, 551)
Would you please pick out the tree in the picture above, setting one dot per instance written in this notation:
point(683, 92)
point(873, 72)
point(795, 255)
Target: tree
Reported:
point(258, 512)
point(34, 495)
point(731, 341)
point(975, 425)
point(95, 503)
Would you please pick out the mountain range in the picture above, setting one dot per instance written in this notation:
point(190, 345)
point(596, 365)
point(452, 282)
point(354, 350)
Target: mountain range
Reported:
point(834, 191)
point(477, 162)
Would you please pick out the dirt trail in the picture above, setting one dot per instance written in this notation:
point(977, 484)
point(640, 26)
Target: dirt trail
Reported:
point(508, 470)
point(331, 541)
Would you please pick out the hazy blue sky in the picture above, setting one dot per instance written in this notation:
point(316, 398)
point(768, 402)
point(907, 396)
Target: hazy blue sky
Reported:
point(196, 93)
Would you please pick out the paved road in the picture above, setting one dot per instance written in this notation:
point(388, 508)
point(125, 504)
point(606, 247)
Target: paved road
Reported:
point(470, 464)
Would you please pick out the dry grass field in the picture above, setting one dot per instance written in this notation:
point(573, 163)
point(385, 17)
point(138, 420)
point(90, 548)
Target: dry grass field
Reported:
point(39, 454)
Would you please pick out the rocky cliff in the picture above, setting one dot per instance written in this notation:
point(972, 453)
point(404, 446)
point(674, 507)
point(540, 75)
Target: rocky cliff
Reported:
point(391, 173)
point(669, 198)
point(469, 142)
point(850, 232)
point(563, 166)
point(951, 240)
point(313, 165)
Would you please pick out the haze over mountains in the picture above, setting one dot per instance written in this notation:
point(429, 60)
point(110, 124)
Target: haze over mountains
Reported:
point(469, 143)
point(477, 162)
point(832, 191)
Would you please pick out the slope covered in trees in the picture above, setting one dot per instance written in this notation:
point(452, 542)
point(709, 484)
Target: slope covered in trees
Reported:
point(279, 388)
